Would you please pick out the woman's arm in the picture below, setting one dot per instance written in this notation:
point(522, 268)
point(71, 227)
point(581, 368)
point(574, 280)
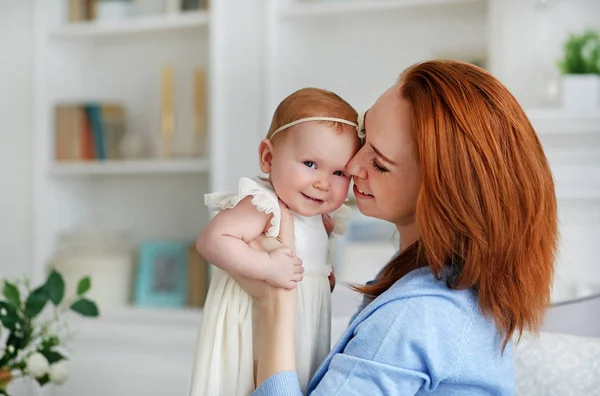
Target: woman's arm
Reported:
point(277, 309)
point(224, 243)
point(276, 333)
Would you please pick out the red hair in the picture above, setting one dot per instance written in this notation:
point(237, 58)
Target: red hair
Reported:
point(486, 207)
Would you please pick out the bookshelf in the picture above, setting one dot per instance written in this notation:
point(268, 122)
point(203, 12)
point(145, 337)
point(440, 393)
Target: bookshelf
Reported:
point(154, 196)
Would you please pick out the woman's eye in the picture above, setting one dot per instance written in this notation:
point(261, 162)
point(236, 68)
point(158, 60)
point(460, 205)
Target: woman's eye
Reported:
point(339, 173)
point(310, 164)
point(378, 167)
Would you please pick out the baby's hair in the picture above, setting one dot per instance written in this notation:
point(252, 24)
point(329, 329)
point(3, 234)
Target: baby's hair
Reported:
point(312, 102)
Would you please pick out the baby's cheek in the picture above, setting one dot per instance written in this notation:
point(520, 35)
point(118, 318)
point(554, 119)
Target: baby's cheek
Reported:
point(341, 189)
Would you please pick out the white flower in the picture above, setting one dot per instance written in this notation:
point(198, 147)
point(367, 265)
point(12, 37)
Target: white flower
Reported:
point(3, 311)
point(37, 365)
point(360, 128)
point(59, 372)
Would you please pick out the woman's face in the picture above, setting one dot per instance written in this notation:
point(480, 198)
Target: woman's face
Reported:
point(385, 171)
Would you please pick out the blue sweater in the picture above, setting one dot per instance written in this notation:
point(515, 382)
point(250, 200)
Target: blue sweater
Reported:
point(417, 338)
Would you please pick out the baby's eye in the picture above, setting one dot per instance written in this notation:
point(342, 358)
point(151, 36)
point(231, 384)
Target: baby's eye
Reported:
point(310, 164)
point(338, 173)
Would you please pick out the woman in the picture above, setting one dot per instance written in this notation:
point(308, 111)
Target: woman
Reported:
point(451, 159)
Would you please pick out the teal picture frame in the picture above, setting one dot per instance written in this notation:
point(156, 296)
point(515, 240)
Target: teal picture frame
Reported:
point(161, 279)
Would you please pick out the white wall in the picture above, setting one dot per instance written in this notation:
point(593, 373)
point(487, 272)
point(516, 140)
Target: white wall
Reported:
point(526, 41)
point(360, 55)
point(15, 141)
point(15, 136)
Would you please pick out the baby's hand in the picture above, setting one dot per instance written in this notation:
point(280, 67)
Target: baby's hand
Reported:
point(285, 269)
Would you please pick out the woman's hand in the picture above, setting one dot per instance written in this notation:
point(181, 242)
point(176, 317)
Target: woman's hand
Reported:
point(331, 279)
point(329, 224)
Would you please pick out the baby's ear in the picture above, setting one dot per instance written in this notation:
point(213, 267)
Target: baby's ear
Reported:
point(265, 155)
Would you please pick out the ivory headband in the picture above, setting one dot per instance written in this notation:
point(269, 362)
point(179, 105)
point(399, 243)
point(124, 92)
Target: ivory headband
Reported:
point(301, 120)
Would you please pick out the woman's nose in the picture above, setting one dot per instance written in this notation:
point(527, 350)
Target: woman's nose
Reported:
point(355, 168)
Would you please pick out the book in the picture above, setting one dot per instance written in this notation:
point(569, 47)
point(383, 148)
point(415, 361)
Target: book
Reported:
point(89, 131)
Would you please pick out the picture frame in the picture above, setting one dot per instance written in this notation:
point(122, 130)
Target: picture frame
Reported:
point(161, 279)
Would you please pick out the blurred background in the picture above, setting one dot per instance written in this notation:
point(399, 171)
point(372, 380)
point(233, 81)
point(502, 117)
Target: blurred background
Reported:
point(117, 116)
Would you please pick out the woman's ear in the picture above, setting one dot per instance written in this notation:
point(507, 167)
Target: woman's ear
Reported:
point(265, 155)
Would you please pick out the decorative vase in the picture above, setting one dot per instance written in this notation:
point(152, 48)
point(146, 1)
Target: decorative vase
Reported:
point(581, 92)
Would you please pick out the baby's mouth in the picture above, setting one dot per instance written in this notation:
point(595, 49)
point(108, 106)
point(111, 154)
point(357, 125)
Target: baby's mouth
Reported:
point(316, 200)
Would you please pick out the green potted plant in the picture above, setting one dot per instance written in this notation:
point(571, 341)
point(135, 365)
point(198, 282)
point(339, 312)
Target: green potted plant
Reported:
point(580, 67)
point(33, 329)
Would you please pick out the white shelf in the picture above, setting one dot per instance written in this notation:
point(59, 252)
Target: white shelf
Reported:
point(157, 166)
point(169, 328)
point(152, 316)
point(323, 8)
point(149, 24)
point(560, 121)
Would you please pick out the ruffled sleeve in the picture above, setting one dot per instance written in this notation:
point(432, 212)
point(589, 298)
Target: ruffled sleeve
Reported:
point(263, 197)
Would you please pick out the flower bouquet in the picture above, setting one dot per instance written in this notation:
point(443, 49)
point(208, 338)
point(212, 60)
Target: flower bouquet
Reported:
point(33, 343)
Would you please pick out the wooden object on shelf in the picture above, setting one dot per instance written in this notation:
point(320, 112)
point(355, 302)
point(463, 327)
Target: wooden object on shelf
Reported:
point(70, 130)
point(199, 122)
point(197, 278)
point(167, 127)
point(81, 10)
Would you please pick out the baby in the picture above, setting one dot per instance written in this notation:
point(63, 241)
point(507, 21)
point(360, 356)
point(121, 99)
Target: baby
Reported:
point(313, 135)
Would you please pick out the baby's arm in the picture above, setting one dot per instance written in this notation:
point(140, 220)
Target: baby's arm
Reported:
point(224, 243)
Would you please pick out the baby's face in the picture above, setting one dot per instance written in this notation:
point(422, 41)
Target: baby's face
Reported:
point(308, 167)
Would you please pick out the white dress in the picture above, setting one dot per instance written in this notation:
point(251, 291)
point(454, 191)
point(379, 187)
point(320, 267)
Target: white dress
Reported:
point(224, 363)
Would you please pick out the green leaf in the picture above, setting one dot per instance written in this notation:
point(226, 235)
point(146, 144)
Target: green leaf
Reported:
point(85, 307)
point(43, 380)
point(50, 342)
point(11, 292)
point(55, 287)
point(84, 285)
point(17, 342)
point(3, 392)
point(52, 356)
point(9, 317)
point(36, 301)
